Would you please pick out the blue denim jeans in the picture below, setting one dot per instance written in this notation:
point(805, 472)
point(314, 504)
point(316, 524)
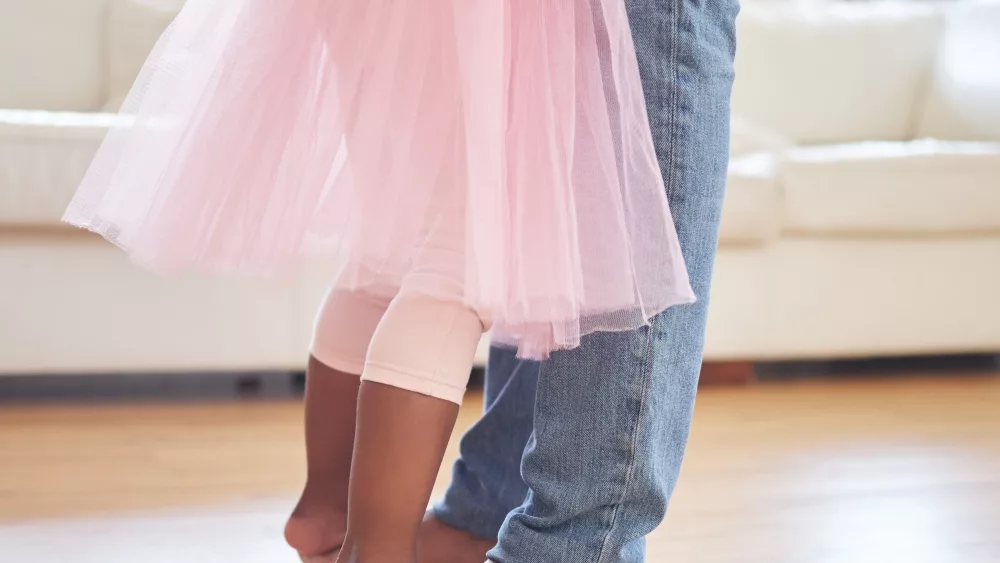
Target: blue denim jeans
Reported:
point(575, 458)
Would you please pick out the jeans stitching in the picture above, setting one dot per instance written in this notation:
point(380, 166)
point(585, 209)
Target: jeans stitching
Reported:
point(669, 181)
point(674, 100)
point(645, 371)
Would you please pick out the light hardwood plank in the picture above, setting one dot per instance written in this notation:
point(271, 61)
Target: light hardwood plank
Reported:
point(828, 472)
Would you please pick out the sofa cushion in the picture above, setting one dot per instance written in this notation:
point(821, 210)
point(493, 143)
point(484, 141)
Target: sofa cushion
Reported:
point(963, 102)
point(834, 71)
point(134, 27)
point(909, 188)
point(43, 157)
point(52, 54)
point(751, 213)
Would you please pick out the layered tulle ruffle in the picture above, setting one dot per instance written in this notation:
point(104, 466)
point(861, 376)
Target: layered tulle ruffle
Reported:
point(492, 151)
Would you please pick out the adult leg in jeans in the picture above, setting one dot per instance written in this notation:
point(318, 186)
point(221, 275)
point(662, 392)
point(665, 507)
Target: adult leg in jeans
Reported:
point(612, 417)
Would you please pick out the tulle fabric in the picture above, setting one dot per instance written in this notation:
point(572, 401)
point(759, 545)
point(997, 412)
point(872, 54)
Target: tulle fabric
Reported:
point(493, 151)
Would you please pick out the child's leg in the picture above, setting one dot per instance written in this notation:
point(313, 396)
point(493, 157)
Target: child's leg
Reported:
point(415, 377)
point(344, 328)
point(319, 522)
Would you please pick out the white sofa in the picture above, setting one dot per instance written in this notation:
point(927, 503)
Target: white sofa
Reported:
point(842, 235)
point(865, 220)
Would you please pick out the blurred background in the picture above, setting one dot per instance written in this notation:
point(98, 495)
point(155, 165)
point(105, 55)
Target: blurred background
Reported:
point(850, 409)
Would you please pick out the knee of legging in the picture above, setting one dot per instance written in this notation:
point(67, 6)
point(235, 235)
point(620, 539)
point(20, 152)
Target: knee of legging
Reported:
point(425, 345)
point(344, 327)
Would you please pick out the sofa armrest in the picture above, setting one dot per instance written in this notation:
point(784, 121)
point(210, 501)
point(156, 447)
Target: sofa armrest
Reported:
point(747, 138)
point(751, 213)
point(43, 157)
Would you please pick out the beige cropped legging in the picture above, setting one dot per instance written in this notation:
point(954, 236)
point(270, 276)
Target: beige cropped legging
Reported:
point(414, 342)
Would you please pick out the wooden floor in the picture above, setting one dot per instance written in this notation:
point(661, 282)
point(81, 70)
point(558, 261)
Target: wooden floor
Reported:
point(883, 471)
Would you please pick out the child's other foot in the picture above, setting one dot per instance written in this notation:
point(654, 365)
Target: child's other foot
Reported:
point(437, 543)
point(316, 533)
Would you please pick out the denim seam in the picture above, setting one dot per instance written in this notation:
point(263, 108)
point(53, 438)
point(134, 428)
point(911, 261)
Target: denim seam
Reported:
point(669, 180)
point(645, 370)
point(674, 101)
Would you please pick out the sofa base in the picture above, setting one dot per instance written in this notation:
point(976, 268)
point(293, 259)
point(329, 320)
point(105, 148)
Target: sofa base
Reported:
point(816, 298)
point(73, 304)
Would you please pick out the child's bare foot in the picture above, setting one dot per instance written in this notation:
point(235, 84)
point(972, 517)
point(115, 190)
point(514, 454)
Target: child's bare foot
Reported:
point(316, 533)
point(437, 543)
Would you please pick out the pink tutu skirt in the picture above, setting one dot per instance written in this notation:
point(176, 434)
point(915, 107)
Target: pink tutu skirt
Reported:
point(492, 151)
